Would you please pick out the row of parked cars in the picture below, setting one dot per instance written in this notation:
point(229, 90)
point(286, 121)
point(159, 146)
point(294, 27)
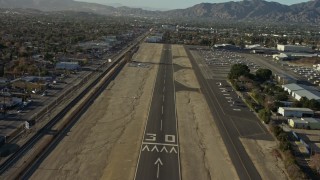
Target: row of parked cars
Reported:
point(225, 58)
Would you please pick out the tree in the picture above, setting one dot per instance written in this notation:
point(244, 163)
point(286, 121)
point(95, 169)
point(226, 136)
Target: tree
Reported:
point(265, 115)
point(313, 104)
point(238, 70)
point(263, 74)
point(283, 96)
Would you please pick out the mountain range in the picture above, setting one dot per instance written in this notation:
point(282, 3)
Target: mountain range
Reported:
point(257, 10)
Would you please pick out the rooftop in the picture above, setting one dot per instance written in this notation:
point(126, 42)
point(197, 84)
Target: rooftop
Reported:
point(305, 120)
point(296, 109)
point(308, 94)
point(295, 87)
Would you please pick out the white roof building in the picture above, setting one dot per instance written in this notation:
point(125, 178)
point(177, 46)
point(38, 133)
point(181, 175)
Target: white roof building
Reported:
point(293, 48)
point(304, 123)
point(305, 93)
point(295, 112)
point(299, 90)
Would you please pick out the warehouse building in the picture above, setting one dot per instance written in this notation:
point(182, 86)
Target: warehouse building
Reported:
point(305, 93)
point(293, 48)
point(304, 123)
point(292, 56)
point(295, 112)
point(299, 90)
point(284, 79)
point(68, 66)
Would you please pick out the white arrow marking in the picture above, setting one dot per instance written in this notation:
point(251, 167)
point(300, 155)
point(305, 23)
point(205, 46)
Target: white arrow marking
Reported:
point(173, 149)
point(146, 147)
point(158, 163)
point(155, 148)
point(164, 149)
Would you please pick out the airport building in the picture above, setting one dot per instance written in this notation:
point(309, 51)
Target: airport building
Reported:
point(284, 79)
point(304, 123)
point(293, 48)
point(295, 112)
point(299, 90)
point(292, 56)
point(68, 66)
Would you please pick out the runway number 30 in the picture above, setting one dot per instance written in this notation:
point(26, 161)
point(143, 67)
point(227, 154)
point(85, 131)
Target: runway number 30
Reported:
point(153, 138)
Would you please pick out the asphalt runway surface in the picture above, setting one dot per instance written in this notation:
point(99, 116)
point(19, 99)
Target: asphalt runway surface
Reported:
point(159, 153)
point(233, 118)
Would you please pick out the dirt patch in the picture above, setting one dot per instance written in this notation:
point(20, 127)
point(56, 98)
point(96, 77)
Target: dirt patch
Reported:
point(178, 51)
point(187, 78)
point(183, 62)
point(105, 143)
point(203, 153)
point(268, 164)
point(306, 61)
point(202, 150)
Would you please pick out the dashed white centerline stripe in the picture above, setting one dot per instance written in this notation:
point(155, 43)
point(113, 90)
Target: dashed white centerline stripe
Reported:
point(163, 98)
point(162, 109)
point(164, 81)
point(164, 88)
point(161, 125)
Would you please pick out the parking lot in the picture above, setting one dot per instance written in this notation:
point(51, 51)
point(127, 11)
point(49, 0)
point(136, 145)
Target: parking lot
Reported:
point(220, 61)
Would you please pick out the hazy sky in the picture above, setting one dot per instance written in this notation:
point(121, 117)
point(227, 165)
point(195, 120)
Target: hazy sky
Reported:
point(173, 4)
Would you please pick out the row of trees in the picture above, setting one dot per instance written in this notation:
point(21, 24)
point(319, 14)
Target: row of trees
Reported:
point(269, 96)
point(242, 70)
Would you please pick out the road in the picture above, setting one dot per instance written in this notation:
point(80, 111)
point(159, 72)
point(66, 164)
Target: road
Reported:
point(159, 153)
point(233, 118)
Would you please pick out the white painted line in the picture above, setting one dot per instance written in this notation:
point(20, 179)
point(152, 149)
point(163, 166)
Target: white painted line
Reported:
point(163, 98)
point(145, 126)
point(158, 163)
point(155, 148)
point(175, 113)
point(161, 125)
point(164, 149)
point(146, 147)
point(158, 171)
point(226, 94)
point(162, 109)
point(228, 97)
point(161, 144)
point(173, 150)
point(164, 89)
point(237, 109)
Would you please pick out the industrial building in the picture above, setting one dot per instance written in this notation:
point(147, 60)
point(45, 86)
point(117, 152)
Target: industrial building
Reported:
point(304, 123)
point(68, 66)
point(295, 112)
point(292, 56)
point(298, 91)
point(293, 48)
point(284, 79)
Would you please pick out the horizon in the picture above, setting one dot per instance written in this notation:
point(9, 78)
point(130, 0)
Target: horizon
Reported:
point(168, 4)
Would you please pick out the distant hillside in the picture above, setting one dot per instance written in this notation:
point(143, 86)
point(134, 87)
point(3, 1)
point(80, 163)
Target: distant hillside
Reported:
point(257, 10)
point(253, 10)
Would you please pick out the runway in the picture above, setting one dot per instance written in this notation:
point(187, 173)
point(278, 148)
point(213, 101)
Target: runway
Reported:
point(159, 153)
point(234, 120)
